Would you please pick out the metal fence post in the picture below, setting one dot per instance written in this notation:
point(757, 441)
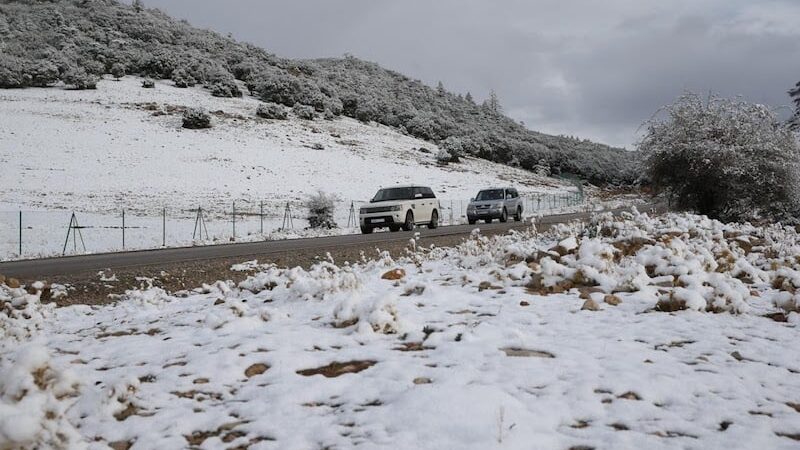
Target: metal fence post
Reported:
point(20, 233)
point(123, 228)
point(234, 221)
point(164, 227)
point(261, 216)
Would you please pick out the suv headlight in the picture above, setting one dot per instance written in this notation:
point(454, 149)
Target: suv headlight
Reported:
point(397, 208)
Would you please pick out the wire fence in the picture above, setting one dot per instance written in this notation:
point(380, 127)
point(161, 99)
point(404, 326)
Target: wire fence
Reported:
point(33, 234)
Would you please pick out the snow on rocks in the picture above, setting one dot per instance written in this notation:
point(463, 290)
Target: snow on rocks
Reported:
point(482, 345)
point(21, 313)
point(34, 396)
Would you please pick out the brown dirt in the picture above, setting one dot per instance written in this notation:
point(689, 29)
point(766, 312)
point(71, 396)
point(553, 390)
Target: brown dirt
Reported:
point(87, 288)
point(335, 369)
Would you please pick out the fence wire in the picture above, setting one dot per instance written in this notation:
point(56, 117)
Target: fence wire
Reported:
point(32, 234)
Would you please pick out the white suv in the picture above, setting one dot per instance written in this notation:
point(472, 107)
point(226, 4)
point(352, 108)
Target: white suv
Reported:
point(400, 207)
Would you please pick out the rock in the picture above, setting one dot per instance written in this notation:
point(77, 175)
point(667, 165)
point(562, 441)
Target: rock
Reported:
point(422, 380)
point(670, 304)
point(590, 305)
point(566, 246)
point(630, 395)
point(612, 299)
point(524, 303)
point(256, 369)
point(484, 285)
point(2, 278)
point(13, 283)
point(518, 352)
point(394, 274)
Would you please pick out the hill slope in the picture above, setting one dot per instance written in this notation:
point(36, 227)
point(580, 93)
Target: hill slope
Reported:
point(121, 146)
point(75, 41)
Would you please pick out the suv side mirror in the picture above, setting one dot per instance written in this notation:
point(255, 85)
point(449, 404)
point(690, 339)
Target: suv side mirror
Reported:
point(472, 199)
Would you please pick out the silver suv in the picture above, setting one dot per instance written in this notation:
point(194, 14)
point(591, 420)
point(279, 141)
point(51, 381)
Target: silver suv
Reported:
point(495, 203)
point(400, 207)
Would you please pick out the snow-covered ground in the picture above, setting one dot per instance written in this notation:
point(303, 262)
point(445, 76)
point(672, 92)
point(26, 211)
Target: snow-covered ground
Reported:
point(637, 332)
point(122, 147)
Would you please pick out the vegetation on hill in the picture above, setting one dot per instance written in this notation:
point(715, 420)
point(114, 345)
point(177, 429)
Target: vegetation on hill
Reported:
point(76, 41)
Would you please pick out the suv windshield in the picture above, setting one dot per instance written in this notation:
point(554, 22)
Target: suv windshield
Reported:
point(404, 193)
point(491, 194)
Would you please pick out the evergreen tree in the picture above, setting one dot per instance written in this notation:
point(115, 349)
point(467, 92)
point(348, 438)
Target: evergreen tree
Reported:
point(493, 103)
point(794, 93)
point(469, 98)
point(440, 89)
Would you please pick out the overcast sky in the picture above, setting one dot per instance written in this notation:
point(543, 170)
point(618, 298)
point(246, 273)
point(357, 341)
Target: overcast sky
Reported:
point(587, 68)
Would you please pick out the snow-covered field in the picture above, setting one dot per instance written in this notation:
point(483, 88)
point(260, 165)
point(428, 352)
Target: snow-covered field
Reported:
point(122, 147)
point(636, 332)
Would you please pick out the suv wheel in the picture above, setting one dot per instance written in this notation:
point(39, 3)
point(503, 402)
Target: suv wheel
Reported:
point(504, 216)
point(472, 221)
point(408, 225)
point(434, 220)
point(366, 229)
point(518, 215)
point(394, 227)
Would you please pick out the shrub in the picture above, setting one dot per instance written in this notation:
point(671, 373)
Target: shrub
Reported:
point(443, 157)
point(117, 70)
point(195, 119)
point(148, 83)
point(454, 147)
point(222, 84)
point(182, 78)
point(11, 75)
point(42, 74)
point(271, 111)
point(320, 210)
point(304, 112)
point(78, 78)
point(727, 159)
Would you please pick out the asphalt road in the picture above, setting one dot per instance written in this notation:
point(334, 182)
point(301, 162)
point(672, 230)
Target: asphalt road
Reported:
point(69, 265)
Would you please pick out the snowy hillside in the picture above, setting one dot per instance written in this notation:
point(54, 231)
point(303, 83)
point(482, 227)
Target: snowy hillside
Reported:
point(675, 332)
point(122, 146)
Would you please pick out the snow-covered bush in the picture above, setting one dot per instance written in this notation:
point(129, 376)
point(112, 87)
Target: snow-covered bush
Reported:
point(443, 157)
point(222, 84)
point(117, 70)
point(541, 168)
point(195, 119)
point(304, 112)
point(148, 83)
point(454, 148)
point(182, 78)
point(78, 78)
point(271, 111)
point(11, 74)
point(320, 210)
point(724, 158)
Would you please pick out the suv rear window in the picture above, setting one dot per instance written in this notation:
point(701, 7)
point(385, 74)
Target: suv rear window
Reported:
point(490, 194)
